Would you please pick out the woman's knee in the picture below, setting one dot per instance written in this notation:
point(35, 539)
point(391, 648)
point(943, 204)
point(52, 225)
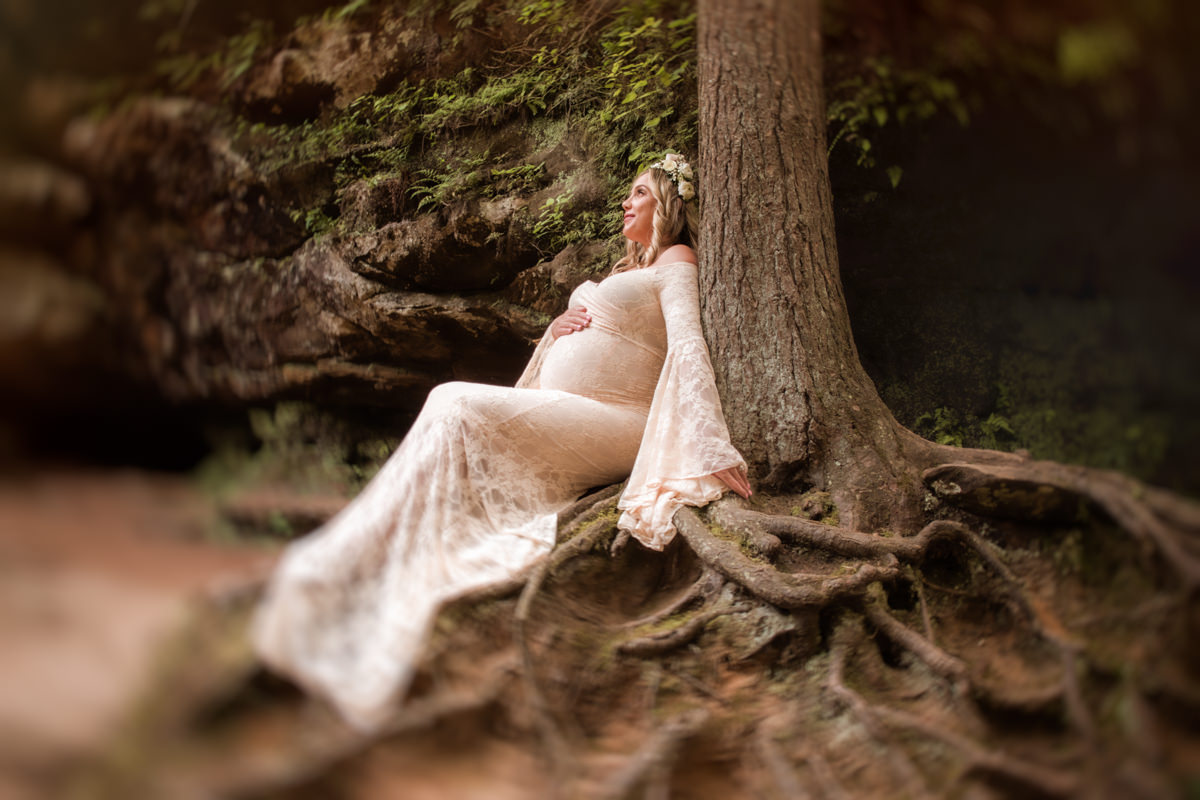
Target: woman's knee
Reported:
point(445, 393)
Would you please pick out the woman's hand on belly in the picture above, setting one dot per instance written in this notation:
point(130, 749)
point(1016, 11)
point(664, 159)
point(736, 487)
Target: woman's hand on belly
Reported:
point(570, 321)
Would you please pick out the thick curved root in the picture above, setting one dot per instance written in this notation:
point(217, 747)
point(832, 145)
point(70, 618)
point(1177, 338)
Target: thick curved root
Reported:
point(765, 581)
point(654, 759)
point(1043, 490)
point(658, 643)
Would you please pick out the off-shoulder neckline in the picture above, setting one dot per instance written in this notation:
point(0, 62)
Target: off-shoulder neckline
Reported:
point(670, 264)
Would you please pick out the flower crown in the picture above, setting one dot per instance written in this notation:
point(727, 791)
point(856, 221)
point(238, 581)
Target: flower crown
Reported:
point(680, 172)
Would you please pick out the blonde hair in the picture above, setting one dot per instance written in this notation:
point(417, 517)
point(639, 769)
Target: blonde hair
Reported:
point(675, 222)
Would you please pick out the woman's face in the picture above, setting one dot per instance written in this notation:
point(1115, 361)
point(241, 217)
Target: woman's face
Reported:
point(639, 211)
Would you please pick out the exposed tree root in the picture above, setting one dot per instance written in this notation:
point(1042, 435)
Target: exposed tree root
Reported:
point(1046, 490)
point(782, 774)
point(784, 777)
point(765, 581)
point(570, 520)
point(494, 591)
point(942, 695)
point(338, 750)
point(910, 549)
point(585, 507)
point(942, 663)
point(584, 541)
point(926, 620)
point(700, 687)
point(825, 778)
point(978, 758)
point(706, 586)
point(1046, 700)
point(655, 758)
point(856, 543)
point(666, 641)
point(844, 638)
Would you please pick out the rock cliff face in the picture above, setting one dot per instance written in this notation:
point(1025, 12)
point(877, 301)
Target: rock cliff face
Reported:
point(227, 297)
point(196, 260)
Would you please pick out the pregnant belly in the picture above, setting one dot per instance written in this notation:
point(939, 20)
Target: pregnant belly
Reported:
point(603, 366)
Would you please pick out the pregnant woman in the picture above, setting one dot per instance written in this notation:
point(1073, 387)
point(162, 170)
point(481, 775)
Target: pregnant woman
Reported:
point(620, 386)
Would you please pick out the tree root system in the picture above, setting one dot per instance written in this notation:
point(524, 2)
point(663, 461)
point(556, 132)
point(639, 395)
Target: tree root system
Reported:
point(762, 654)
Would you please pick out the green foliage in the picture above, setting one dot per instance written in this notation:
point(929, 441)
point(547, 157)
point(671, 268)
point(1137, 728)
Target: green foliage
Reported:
point(1053, 428)
point(351, 138)
point(946, 425)
point(440, 185)
point(863, 104)
point(621, 77)
point(649, 73)
point(347, 11)
point(1095, 52)
point(477, 174)
point(520, 179)
point(942, 425)
point(559, 224)
point(543, 12)
point(551, 221)
point(314, 220)
point(298, 446)
point(181, 69)
point(157, 10)
point(469, 101)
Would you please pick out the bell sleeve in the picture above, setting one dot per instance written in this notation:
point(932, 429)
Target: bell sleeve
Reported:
point(686, 438)
point(531, 377)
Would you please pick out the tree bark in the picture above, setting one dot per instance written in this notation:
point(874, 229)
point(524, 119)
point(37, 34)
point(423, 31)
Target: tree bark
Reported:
point(799, 404)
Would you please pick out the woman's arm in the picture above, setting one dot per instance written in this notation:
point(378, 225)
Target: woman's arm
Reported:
point(686, 457)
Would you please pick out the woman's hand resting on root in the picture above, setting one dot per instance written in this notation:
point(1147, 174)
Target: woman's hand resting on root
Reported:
point(735, 479)
point(571, 321)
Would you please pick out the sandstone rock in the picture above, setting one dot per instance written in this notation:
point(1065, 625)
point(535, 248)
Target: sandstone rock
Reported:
point(333, 62)
point(169, 155)
point(308, 326)
point(546, 286)
point(475, 245)
point(367, 205)
point(291, 86)
point(42, 306)
point(55, 334)
point(225, 295)
point(40, 203)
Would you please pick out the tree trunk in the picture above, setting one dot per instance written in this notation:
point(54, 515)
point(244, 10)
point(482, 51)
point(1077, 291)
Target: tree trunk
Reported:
point(798, 402)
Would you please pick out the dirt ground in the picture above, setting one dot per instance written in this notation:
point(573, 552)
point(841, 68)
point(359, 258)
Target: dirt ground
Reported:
point(96, 568)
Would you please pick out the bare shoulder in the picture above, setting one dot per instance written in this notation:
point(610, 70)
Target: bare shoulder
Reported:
point(677, 253)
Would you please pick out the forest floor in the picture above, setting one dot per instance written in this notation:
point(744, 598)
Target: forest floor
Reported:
point(126, 671)
point(98, 569)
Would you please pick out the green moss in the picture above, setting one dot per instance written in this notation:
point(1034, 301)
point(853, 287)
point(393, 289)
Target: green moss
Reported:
point(1040, 412)
point(294, 445)
point(662, 626)
point(746, 548)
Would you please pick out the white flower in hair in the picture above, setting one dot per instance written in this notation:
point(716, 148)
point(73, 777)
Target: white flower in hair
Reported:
point(680, 173)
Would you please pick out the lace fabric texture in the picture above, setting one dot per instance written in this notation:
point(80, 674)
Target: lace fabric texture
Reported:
point(472, 494)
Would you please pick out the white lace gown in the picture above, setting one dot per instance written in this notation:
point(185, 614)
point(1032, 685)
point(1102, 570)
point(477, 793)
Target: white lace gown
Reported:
point(472, 494)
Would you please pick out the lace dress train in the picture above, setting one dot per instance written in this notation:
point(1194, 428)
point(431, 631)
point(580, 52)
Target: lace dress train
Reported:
point(471, 496)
